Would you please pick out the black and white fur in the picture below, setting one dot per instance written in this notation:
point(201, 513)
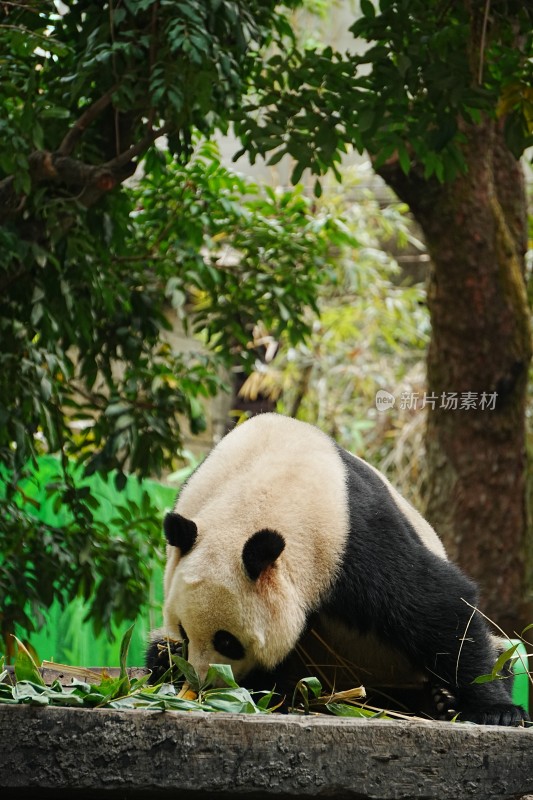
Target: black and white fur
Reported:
point(280, 528)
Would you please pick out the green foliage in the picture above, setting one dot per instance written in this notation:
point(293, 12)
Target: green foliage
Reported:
point(247, 255)
point(425, 74)
point(86, 93)
point(183, 64)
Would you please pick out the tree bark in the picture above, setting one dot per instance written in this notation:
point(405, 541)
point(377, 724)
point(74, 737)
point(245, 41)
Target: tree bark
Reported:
point(475, 229)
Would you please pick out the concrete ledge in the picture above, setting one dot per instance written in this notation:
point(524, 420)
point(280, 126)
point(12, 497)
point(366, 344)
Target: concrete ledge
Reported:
point(77, 753)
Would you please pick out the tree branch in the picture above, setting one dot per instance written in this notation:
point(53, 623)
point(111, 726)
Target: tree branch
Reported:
point(90, 181)
point(139, 148)
point(78, 129)
point(118, 169)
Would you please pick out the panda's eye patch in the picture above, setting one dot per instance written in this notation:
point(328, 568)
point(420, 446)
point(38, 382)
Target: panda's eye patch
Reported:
point(228, 645)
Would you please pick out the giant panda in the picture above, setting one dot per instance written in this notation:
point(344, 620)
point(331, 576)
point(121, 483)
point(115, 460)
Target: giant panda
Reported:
point(281, 533)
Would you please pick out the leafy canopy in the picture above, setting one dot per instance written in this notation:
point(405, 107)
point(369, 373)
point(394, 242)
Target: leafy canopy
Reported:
point(423, 71)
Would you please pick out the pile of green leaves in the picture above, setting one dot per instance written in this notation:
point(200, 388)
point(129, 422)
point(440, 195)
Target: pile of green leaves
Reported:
point(125, 693)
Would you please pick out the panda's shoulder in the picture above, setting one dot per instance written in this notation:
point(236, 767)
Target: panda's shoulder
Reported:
point(378, 509)
point(365, 482)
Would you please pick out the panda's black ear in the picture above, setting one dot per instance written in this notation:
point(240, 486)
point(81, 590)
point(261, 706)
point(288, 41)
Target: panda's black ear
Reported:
point(260, 551)
point(180, 532)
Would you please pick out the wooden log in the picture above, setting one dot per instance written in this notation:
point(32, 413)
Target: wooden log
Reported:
point(49, 752)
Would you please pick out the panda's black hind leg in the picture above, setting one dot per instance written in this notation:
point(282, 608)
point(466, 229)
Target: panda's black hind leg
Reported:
point(454, 645)
point(426, 612)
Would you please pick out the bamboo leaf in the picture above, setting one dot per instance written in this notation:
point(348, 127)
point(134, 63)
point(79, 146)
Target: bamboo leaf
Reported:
point(25, 667)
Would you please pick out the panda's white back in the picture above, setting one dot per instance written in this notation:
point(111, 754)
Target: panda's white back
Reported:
point(278, 473)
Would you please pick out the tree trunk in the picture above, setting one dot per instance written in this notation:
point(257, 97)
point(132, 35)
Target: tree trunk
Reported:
point(475, 229)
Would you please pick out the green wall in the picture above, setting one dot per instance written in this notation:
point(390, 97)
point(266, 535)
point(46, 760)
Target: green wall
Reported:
point(66, 637)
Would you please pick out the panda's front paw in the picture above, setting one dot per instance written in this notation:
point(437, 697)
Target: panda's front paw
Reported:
point(159, 657)
point(444, 702)
point(497, 714)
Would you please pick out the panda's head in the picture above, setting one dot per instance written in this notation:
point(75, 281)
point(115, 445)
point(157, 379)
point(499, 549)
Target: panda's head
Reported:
point(238, 609)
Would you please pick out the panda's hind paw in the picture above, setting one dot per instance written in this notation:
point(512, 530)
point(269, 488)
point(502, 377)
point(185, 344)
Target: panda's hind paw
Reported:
point(497, 714)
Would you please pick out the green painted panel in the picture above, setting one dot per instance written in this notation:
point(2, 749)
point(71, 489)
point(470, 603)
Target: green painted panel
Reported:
point(66, 637)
